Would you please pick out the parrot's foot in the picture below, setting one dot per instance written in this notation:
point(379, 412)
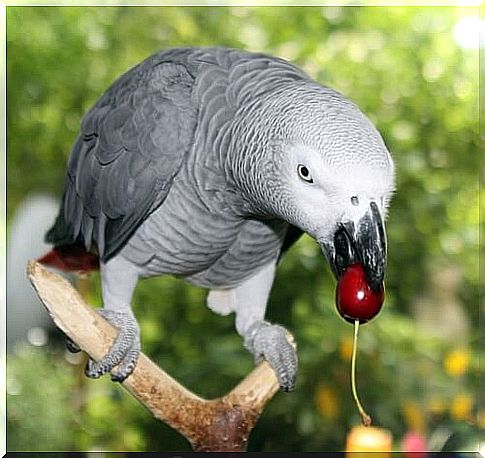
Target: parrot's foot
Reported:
point(124, 351)
point(275, 344)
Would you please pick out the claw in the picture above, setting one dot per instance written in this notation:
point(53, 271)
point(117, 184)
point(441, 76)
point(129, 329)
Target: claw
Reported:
point(71, 346)
point(275, 344)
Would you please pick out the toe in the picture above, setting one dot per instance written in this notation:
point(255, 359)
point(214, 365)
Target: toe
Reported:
point(275, 344)
point(127, 366)
point(286, 368)
point(93, 369)
point(71, 346)
point(125, 347)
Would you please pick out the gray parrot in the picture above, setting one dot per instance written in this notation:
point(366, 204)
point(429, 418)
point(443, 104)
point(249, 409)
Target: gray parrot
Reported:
point(207, 164)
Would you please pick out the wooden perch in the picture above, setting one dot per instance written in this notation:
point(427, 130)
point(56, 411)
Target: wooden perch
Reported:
point(221, 424)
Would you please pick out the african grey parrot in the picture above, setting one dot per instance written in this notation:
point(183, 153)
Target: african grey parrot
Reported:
point(207, 164)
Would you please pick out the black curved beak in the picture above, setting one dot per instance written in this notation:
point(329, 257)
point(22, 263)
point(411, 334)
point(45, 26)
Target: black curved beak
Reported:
point(363, 241)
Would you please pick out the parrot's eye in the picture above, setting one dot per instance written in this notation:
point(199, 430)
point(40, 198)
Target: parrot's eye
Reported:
point(304, 174)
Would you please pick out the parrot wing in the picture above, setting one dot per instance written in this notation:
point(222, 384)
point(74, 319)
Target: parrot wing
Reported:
point(132, 144)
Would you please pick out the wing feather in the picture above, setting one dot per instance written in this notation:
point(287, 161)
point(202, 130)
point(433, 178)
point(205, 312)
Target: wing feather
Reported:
point(132, 144)
point(135, 139)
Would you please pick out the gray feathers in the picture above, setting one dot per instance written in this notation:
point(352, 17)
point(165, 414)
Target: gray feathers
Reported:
point(212, 128)
point(134, 141)
point(132, 144)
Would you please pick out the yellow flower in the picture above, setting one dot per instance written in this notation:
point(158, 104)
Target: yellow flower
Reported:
point(436, 405)
point(327, 401)
point(461, 407)
point(345, 349)
point(414, 416)
point(456, 362)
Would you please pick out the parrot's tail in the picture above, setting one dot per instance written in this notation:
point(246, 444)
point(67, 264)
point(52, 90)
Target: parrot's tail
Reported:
point(71, 258)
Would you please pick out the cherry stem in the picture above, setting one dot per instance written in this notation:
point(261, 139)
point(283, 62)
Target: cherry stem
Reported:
point(366, 419)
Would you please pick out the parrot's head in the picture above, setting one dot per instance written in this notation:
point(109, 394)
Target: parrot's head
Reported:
point(343, 205)
point(335, 180)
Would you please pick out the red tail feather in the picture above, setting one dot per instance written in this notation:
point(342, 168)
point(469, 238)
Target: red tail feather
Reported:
point(71, 258)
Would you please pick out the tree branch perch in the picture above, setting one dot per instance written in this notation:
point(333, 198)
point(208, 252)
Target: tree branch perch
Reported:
point(221, 424)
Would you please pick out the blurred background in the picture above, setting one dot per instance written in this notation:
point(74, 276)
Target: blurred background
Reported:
point(414, 72)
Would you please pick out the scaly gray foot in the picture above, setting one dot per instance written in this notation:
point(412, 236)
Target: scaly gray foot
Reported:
point(125, 350)
point(274, 343)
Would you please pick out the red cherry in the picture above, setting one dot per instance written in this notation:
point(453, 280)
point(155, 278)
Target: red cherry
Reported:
point(355, 298)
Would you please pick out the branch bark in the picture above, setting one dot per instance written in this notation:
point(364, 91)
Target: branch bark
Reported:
point(221, 424)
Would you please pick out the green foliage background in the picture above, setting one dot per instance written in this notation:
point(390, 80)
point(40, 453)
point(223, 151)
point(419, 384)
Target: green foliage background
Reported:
point(403, 68)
